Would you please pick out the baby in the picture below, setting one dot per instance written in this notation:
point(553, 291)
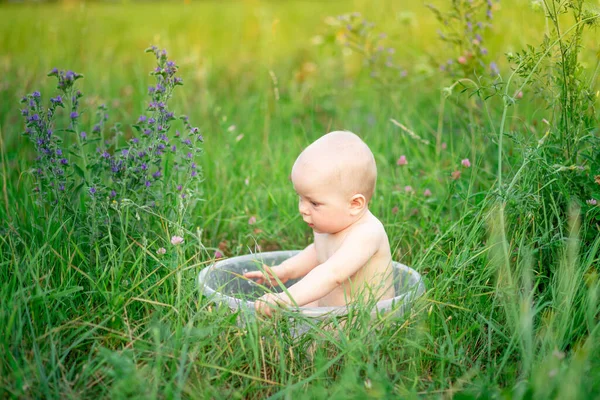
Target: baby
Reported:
point(350, 257)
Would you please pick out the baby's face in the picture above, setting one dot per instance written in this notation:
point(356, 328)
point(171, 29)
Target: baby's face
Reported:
point(324, 206)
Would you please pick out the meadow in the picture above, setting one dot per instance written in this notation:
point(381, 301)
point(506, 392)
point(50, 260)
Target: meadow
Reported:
point(488, 185)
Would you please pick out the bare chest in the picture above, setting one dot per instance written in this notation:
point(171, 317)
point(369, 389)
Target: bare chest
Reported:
point(326, 245)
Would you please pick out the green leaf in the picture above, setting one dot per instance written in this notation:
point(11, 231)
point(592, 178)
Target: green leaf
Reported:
point(137, 128)
point(79, 171)
point(71, 152)
point(76, 191)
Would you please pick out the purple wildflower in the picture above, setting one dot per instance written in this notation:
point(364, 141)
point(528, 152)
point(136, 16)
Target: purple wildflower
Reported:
point(113, 193)
point(124, 152)
point(173, 148)
point(64, 161)
point(179, 188)
point(105, 154)
point(36, 94)
point(187, 141)
point(144, 167)
point(92, 190)
point(135, 140)
point(494, 68)
point(157, 174)
point(74, 115)
point(142, 118)
point(151, 121)
point(148, 183)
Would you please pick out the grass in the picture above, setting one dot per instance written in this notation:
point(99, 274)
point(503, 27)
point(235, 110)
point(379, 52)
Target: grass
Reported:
point(511, 308)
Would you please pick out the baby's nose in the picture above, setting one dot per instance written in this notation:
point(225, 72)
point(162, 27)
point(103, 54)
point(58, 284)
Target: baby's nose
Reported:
point(302, 208)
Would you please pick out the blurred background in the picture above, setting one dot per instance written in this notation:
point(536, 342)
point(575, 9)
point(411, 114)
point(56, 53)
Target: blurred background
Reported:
point(99, 301)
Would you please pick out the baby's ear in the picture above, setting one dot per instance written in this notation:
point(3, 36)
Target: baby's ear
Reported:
point(357, 204)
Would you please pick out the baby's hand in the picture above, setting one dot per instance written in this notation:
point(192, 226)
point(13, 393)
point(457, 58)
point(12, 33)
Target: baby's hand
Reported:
point(268, 277)
point(266, 304)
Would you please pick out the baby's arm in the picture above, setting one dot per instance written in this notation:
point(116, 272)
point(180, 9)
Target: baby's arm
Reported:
point(292, 268)
point(355, 251)
point(301, 264)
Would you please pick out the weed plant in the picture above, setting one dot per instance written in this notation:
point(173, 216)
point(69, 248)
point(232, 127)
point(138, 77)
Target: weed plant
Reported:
point(479, 195)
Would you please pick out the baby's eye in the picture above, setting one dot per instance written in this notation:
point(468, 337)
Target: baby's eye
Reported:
point(314, 203)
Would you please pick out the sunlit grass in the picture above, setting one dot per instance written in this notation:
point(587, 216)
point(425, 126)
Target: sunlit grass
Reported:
point(132, 322)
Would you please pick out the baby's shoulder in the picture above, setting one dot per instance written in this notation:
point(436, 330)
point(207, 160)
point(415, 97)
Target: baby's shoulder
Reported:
point(370, 226)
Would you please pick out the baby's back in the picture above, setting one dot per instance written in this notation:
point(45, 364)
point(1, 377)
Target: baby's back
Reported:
point(373, 280)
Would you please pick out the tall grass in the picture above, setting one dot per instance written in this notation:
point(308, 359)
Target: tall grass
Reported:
point(511, 308)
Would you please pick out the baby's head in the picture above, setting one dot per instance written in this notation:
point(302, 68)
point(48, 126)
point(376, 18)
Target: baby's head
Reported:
point(335, 178)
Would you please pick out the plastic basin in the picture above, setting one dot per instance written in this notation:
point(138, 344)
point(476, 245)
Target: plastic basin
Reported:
point(223, 282)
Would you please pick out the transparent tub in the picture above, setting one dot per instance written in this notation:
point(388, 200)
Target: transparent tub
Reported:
point(224, 283)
